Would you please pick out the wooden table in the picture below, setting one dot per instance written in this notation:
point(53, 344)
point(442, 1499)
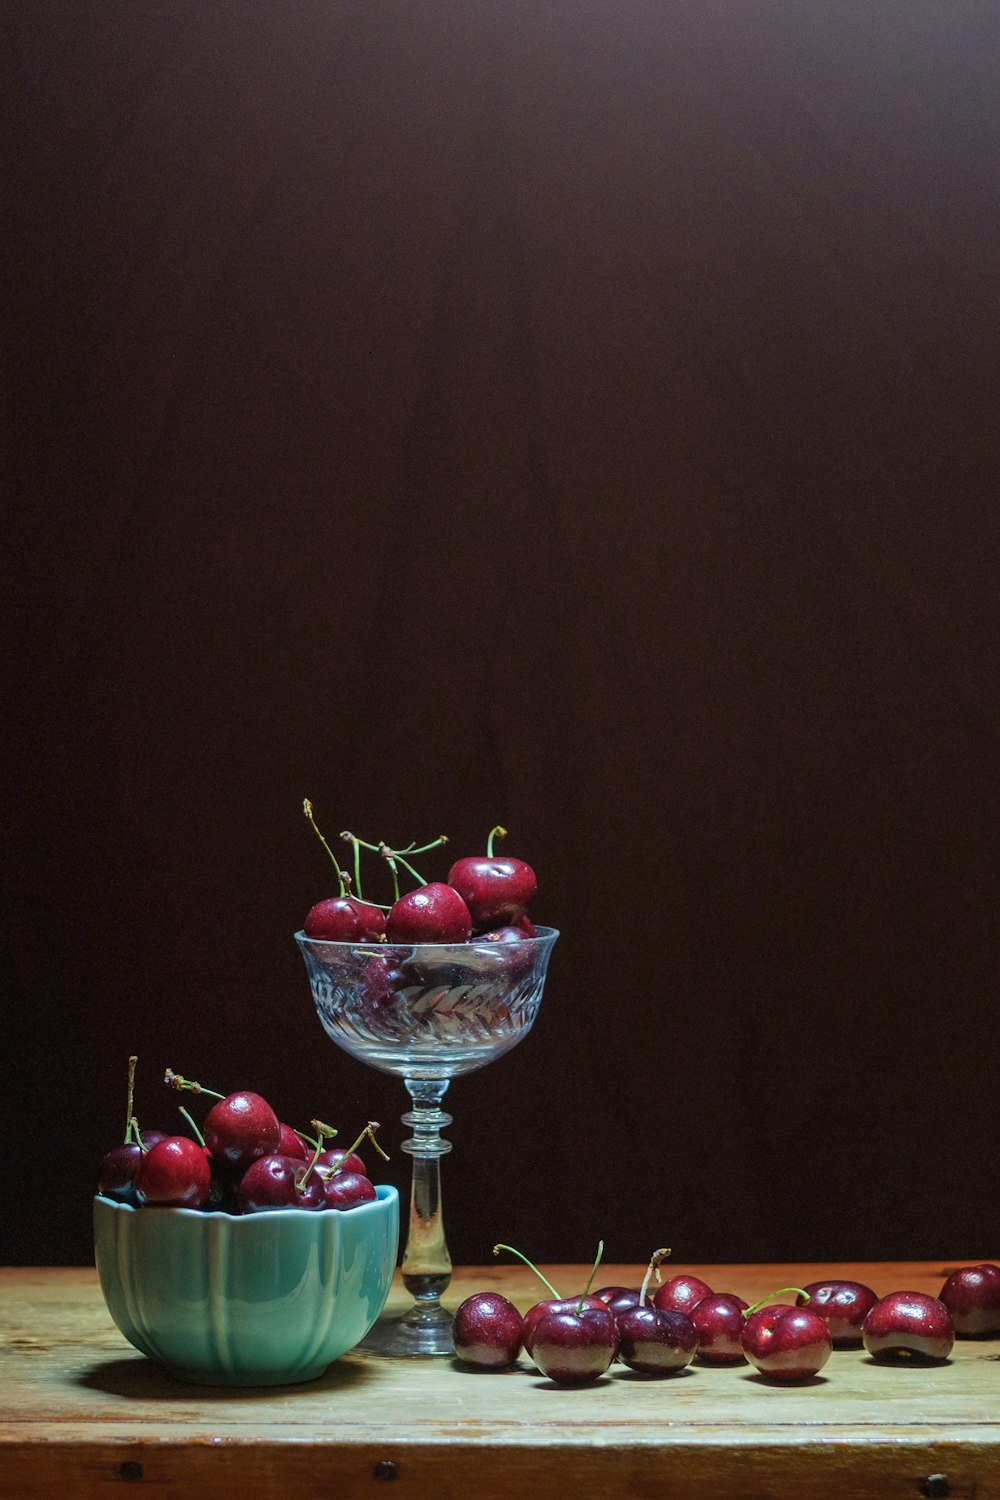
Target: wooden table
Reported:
point(83, 1414)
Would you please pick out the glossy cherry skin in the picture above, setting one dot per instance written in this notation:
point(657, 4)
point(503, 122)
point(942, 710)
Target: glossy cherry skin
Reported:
point(681, 1293)
point(242, 1128)
point(496, 889)
point(618, 1298)
point(116, 1178)
point(175, 1173)
point(278, 1182)
point(655, 1341)
point(290, 1143)
point(972, 1296)
point(719, 1321)
point(909, 1327)
point(786, 1343)
point(487, 1330)
point(843, 1306)
point(433, 913)
point(381, 982)
point(344, 919)
point(344, 1161)
point(571, 1347)
point(347, 1190)
point(535, 1314)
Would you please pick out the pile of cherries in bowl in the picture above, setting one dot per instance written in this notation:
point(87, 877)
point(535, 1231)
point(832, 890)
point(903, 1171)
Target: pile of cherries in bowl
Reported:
point(577, 1339)
point(486, 898)
point(242, 1160)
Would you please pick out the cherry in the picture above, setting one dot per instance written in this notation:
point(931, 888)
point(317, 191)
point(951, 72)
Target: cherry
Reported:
point(576, 1345)
point(719, 1321)
point(239, 1129)
point(618, 1298)
point(342, 918)
point(972, 1296)
point(290, 1143)
point(785, 1342)
point(381, 981)
point(487, 1330)
point(432, 914)
point(174, 1173)
point(347, 1190)
point(555, 1303)
point(120, 1164)
point(680, 1293)
point(909, 1327)
point(341, 1160)
point(655, 1341)
point(843, 1305)
point(278, 1182)
point(496, 889)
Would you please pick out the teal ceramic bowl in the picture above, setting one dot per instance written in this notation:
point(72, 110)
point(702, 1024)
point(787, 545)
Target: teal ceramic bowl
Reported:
point(255, 1299)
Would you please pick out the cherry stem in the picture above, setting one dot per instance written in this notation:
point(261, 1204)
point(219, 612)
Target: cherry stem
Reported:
point(129, 1117)
point(307, 808)
point(175, 1081)
point(390, 861)
point(394, 857)
point(368, 1131)
point(442, 838)
point(139, 1141)
point(495, 833)
point(323, 1133)
point(198, 1135)
point(590, 1281)
point(782, 1292)
point(531, 1267)
point(655, 1261)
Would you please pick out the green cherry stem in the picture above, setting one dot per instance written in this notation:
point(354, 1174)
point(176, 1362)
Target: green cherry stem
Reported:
point(531, 1267)
point(323, 1133)
point(175, 1081)
point(198, 1135)
point(495, 833)
point(655, 1261)
point(590, 1280)
point(394, 858)
point(138, 1137)
point(781, 1292)
point(129, 1116)
point(442, 838)
point(307, 808)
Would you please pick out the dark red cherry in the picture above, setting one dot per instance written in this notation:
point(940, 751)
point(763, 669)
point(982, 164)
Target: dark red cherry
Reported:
point(277, 1182)
point(347, 1190)
point(487, 1331)
point(843, 1306)
point(496, 889)
point(719, 1321)
point(680, 1293)
point(344, 919)
point(571, 1347)
point(909, 1327)
point(786, 1343)
point(433, 913)
point(535, 1314)
point(972, 1296)
point(655, 1341)
point(241, 1128)
point(175, 1173)
point(116, 1178)
point(290, 1143)
point(618, 1298)
point(344, 1161)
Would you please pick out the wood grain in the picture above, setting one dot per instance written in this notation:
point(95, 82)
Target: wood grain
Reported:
point(81, 1412)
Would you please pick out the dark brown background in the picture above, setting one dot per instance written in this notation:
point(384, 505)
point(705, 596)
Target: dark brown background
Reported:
point(575, 415)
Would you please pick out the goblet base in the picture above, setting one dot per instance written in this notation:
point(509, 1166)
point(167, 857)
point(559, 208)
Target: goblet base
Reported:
point(421, 1333)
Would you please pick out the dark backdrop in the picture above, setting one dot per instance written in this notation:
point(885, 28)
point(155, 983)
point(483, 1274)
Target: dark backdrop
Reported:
point(580, 416)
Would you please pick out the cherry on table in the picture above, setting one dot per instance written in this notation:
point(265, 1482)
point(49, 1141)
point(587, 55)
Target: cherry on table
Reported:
point(909, 1327)
point(972, 1296)
point(487, 1330)
point(786, 1343)
point(618, 1298)
point(681, 1292)
point(719, 1321)
point(655, 1341)
point(575, 1345)
point(843, 1306)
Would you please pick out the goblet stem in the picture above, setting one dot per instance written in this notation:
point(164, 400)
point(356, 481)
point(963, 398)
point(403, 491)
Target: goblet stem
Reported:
point(426, 1264)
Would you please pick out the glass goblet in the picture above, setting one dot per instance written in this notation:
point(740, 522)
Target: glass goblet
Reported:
point(428, 1013)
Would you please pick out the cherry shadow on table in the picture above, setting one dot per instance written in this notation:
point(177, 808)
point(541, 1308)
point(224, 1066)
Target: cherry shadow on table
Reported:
point(754, 1377)
point(141, 1379)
